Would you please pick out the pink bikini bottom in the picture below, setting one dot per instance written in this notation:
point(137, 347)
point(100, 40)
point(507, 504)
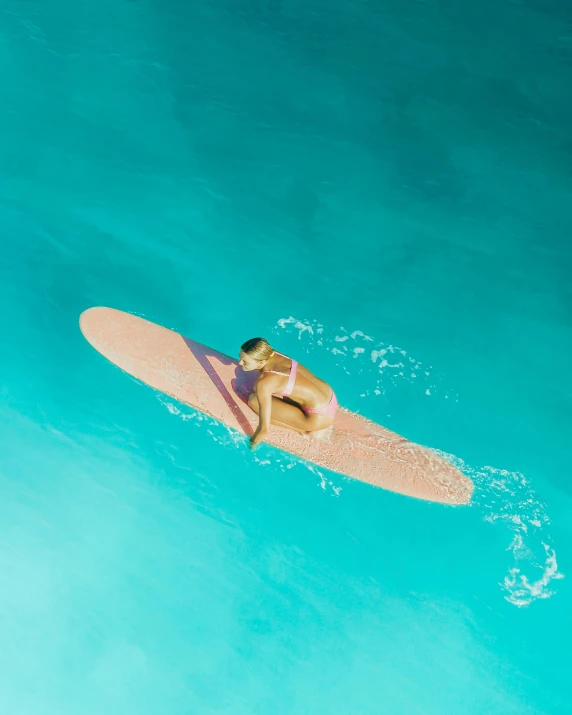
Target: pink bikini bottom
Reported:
point(330, 409)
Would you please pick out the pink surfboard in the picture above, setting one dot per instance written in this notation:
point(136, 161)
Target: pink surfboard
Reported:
point(213, 383)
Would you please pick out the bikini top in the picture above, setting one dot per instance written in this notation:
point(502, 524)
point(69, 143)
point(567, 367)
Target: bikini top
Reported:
point(291, 378)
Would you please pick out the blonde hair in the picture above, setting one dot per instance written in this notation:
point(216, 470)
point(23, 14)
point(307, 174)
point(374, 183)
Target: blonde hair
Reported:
point(257, 348)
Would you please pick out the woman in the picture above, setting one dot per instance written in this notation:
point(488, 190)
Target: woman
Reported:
point(285, 394)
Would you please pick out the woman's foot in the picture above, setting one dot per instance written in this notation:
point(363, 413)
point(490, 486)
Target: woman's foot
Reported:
point(322, 434)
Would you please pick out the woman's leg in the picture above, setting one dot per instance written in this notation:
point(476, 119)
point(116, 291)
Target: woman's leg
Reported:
point(286, 414)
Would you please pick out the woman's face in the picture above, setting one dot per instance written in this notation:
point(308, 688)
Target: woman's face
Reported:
point(248, 363)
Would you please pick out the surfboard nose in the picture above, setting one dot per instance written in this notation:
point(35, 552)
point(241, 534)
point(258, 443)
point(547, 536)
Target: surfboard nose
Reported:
point(91, 323)
point(90, 316)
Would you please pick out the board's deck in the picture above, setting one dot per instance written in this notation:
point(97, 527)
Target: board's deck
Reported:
point(214, 384)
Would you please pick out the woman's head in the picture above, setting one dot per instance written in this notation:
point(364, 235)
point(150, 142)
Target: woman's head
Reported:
point(254, 353)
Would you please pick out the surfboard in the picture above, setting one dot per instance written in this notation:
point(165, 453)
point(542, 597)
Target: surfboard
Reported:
point(214, 384)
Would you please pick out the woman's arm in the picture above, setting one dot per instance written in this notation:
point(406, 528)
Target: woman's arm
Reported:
point(263, 391)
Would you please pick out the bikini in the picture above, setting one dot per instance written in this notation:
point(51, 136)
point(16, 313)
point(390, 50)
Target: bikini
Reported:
point(329, 409)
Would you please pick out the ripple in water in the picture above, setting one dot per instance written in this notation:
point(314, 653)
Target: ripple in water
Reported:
point(227, 437)
point(508, 498)
point(501, 496)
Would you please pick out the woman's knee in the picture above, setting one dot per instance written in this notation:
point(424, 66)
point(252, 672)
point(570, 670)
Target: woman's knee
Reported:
point(253, 401)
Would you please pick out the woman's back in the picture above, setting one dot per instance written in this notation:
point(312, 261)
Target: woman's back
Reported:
point(306, 388)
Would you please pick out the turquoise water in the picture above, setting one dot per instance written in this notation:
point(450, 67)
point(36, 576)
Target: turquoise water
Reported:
point(383, 190)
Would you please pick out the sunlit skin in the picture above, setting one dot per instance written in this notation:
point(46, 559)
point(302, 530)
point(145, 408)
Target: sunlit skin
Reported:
point(309, 391)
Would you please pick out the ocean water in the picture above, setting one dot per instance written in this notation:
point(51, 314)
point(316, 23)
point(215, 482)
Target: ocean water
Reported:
point(381, 188)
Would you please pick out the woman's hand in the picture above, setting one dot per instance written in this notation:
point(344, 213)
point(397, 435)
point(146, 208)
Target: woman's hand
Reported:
point(257, 437)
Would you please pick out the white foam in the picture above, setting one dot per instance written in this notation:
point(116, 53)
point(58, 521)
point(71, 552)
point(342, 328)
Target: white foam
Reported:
point(300, 326)
point(522, 591)
point(391, 370)
point(327, 485)
point(227, 437)
point(358, 333)
point(504, 498)
point(174, 410)
point(375, 354)
point(507, 498)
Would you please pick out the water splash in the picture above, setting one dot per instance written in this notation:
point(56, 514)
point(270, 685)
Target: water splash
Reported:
point(227, 437)
point(357, 353)
point(508, 498)
point(501, 496)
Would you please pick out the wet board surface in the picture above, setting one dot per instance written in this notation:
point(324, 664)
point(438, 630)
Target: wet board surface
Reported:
point(213, 383)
